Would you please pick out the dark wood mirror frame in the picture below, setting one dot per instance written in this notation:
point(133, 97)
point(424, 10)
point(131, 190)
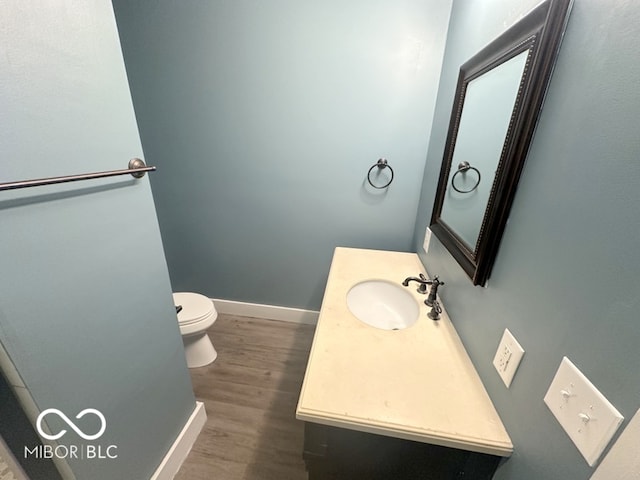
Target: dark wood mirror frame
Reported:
point(539, 32)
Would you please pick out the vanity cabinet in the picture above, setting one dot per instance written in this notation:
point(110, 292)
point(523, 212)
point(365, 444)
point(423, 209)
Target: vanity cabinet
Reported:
point(332, 453)
point(393, 404)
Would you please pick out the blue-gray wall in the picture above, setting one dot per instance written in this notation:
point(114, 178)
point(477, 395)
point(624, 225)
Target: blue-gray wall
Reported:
point(264, 118)
point(86, 313)
point(567, 275)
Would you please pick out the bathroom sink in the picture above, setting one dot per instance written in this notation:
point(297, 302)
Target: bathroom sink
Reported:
point(383, 304)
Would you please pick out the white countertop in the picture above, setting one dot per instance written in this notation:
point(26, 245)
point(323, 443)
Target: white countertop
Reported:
point(417, 383)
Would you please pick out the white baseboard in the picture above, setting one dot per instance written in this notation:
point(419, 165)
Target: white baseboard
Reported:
point(182, 446)
point(270, 312)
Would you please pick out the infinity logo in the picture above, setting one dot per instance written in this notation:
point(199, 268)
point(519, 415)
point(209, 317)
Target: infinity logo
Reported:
point(103, 423)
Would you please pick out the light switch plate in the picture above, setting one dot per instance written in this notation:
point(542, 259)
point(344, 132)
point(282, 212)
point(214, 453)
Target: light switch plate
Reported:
point(508, 357)
point(427, 240)
point(585, 414)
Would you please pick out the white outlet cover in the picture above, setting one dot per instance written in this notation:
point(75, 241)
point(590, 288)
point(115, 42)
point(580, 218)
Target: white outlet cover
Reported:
point(427, 240)
point(585, 414)
point(508, 357)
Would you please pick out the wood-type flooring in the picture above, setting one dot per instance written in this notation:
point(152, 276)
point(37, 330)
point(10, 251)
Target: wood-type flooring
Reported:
point(250, 394)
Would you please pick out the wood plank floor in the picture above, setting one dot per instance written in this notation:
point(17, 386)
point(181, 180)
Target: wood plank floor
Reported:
point(250, 394)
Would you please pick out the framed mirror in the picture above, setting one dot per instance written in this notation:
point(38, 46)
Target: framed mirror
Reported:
point(499, 96)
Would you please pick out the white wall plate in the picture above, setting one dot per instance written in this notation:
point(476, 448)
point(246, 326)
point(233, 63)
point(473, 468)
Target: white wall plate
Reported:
point(508, 357)
point(427, 240)
point(585, 414)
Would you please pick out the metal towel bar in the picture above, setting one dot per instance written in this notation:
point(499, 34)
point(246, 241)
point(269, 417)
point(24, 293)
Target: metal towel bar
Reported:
point(137, 169)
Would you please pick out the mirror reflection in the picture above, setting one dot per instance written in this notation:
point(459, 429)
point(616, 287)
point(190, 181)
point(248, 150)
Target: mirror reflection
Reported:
point(499, 95)
point(486, 115)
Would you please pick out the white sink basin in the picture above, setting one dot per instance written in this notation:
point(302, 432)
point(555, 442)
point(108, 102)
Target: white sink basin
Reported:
point(383, 304)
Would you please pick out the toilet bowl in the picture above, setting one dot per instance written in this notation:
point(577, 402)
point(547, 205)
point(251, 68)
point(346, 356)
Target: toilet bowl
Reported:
point(198, 313)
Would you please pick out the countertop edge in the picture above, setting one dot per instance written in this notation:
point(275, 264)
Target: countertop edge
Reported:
point(469, 444)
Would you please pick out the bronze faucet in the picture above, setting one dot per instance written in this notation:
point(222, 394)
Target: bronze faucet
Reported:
point(422, 281)
point(431, 300)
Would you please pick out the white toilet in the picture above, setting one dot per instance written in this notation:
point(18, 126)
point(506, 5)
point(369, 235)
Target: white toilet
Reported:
point(198, 313)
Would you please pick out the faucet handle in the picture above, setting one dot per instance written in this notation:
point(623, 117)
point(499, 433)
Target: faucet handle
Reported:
point(436, 310)
point(422, 288)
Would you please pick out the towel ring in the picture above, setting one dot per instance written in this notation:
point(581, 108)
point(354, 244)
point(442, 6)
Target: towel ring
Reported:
point(381, 164)
point(463, 167)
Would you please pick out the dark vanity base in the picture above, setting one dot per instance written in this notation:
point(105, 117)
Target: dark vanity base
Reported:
point(340, 454)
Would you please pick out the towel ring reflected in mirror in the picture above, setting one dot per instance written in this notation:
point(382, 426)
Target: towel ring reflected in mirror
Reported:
point(463, 168)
